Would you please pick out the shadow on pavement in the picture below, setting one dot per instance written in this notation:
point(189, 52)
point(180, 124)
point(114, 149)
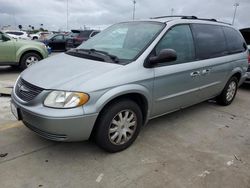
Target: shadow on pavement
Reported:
point(9, 69)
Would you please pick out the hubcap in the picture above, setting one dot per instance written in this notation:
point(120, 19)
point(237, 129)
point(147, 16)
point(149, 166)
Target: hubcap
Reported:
point(231, 91)
point(122, 127)
point(31, 60)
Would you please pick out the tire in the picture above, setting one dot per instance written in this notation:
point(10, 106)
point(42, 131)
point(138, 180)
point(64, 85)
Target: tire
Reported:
point(35, 38)
point(111, 131)
point(228, 94)
point(29, 59)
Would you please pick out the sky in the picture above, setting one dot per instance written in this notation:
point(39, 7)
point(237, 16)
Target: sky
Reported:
point(99, 14)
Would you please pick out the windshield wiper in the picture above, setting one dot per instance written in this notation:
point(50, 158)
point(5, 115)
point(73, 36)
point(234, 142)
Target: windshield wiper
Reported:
point(114, 58)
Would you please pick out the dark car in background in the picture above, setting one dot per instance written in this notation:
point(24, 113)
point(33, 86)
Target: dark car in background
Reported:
point(246, 34)
point(57, 42)
point(79, 36)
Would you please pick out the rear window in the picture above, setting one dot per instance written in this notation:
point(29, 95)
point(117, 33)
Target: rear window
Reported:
point(235, 41)
point(210, 41)
point(14, 33)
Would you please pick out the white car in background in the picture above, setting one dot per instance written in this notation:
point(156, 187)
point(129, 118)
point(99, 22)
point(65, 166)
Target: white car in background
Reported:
point(17, 34)
point(39, 35)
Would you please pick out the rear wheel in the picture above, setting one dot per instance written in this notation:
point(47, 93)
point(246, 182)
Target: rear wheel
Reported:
point(228, 94)
point(29, 59)
point(118, 125)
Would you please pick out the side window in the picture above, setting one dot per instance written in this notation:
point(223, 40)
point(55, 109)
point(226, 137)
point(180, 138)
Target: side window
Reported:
point(180, 39)
point(235, 41)
point(58, 37)
point(18, 33)
point(94, 33)
point(210, 41)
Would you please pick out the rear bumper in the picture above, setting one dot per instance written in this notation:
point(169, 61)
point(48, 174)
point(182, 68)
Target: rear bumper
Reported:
point(247, 78)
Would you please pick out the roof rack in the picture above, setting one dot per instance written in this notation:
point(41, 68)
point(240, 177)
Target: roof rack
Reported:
point(190, 17)
point(174, 16)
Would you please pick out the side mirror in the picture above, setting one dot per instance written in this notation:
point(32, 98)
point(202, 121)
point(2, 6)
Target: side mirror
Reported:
point(165, 55)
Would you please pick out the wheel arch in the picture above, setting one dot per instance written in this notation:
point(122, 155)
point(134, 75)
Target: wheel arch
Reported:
point(29, 51)
point(140, 97)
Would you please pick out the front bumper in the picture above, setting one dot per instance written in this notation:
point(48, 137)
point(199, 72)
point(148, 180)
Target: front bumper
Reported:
point(67, 128)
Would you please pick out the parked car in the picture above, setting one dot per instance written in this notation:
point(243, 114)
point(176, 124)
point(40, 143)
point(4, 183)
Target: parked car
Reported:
point(78, 36)
point(17, 34)
point(112, 84)
point(21, 53)
point(57, 42)
point(40, 35)
point(246, 34)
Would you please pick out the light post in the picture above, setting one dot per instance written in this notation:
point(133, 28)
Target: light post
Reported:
point(235, 10)
point(67, 15)
point(172, 11)
point(134, 2)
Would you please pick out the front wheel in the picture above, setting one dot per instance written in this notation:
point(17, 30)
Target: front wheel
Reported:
point(29, 59)
point(228, 94)
point(118, 125)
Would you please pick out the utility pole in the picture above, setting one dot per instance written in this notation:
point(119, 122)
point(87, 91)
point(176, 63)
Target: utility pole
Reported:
point(235, 10)
point(134, 2)
point(172, 11)
point(67, 15)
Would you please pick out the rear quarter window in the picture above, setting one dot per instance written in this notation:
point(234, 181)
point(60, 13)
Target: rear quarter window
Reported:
point(209, 41)
point(235, 41)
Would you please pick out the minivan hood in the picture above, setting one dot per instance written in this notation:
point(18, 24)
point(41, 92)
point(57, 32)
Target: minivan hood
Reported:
point(56, 71)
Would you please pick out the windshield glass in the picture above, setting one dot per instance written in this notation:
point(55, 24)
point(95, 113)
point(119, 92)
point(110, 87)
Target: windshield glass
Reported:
point(125, 40)
point(50, 36)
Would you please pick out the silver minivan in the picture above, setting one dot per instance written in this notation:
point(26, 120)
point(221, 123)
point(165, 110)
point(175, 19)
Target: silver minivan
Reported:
point(111, 85)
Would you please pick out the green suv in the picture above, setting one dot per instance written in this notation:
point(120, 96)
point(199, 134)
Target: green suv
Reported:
point(20, 53)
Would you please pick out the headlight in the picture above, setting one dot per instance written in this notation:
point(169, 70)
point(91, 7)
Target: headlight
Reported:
point(65, 99)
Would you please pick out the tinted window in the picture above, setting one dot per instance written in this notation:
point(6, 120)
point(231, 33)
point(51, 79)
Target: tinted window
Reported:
point(58, 37)
point(85, 33)
point(14, 33)
point(180, 39)
point(94, 33)
point(235, 40)
point(246, 36)
point(209, 41)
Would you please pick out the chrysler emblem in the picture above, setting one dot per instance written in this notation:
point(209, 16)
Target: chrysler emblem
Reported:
point(23, 89)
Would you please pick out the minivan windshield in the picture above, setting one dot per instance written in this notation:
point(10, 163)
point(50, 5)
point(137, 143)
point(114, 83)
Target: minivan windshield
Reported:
point(124, 40)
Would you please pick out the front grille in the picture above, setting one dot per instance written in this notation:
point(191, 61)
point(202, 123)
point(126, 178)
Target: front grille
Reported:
point(26, 91)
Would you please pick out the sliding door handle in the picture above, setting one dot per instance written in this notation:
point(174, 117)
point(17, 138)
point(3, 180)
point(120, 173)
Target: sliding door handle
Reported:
point(195, 74)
